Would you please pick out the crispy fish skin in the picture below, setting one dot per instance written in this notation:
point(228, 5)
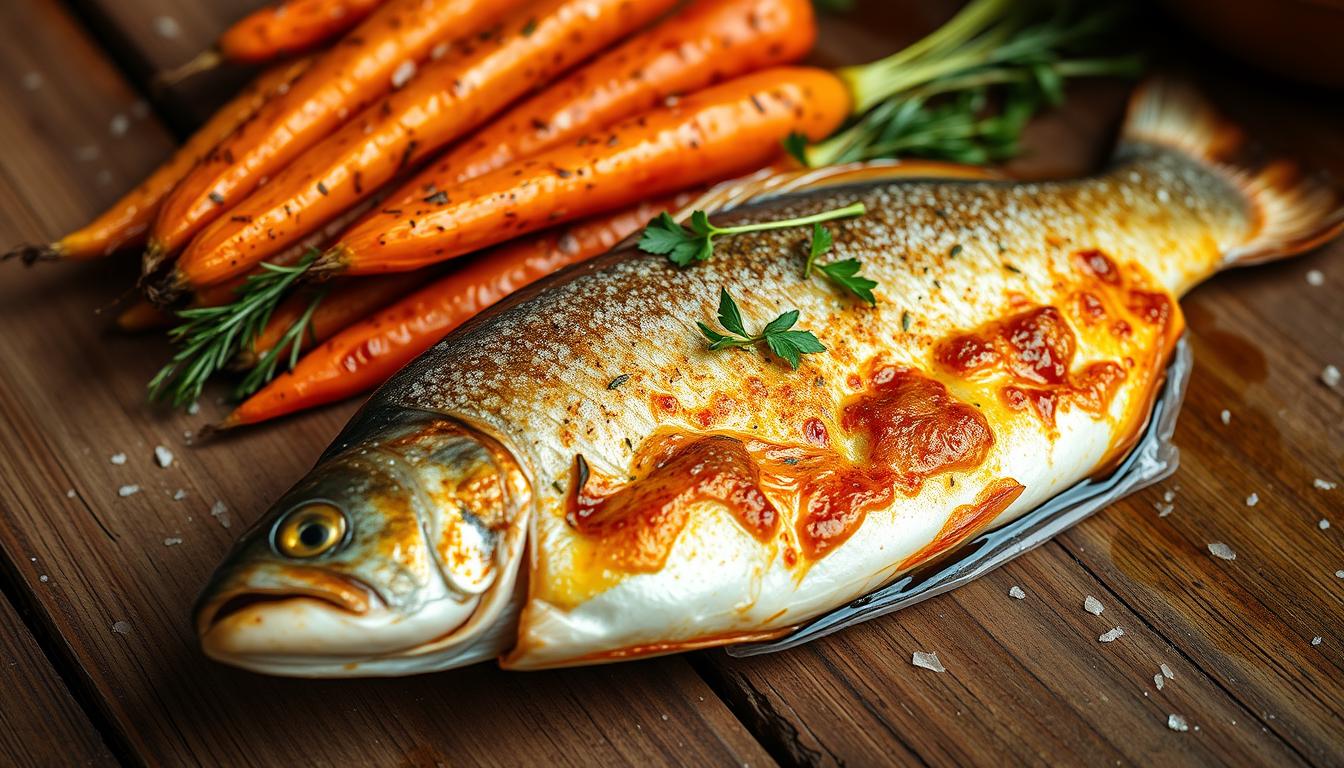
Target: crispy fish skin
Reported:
point(681, 497)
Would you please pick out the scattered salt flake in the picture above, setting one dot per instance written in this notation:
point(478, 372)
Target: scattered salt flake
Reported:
point(194, 408)
point(120, 125)
point(1093, 606)
point(1017, 592)
point(70, 494)
point(1164, 509)
point(163, 456)
point(44, 578)
point(220, 512)
point(167, 27)
point(1323, 524)
point(32, 81)
point(1339, 574)
point(1226, 416)
point(1111, 635)
point(927, 661)
point(1330, 376)
point(1177, 723)
point(1252, 500)
point(1324, 485)
point(1157, 681)
point(1219, 549)
point(121, 627)
point(1316, 640)
point(1169, 496)
point(128, 490)
point(403, 73)
point(117, 458)
point(172, 541)
point(179, 495)
point(1315, 278)
point(1167, 673)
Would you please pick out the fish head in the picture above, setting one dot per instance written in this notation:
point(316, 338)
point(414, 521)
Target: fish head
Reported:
point(396, 554)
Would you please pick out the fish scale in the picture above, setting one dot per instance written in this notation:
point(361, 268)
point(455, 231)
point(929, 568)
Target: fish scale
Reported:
point(1020, 334)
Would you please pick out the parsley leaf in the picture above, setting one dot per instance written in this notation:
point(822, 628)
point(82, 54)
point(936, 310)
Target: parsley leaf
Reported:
point(788, 345)
point(844, 273)
point(684, 247)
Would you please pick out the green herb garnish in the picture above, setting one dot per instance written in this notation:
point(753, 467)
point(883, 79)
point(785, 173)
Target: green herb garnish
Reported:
point(844, 273)
point(787, 344)
point(685, 247)
point(211, 336)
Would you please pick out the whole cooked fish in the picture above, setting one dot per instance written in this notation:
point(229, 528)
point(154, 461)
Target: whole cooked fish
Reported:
point(575, 478)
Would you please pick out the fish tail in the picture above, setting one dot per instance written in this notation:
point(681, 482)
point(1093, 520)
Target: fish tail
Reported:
point(1293, 211)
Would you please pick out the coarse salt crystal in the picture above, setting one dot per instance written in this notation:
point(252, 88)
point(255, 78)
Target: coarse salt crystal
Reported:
point(179, 495)
point(1168, 495)
point(1177, 723)
point(1093, 606)
point(1111, 635)
point(1157, 681)
point(1323, 524)
point(403, 73)
point(120, 125)
point(167, 27)
point(1252, 500)
point(117, 458)
point(220, 512)
point(128, 490)
point(1324, 485)
point(1315, 278)
point(1330, 376)
point(1219, 549)
point(121, 627)
point(1017, 592)
point(70, 494)
point(1316, 640)
point(927, 661)
point(1167, 673)
point(172, 541)
point(194, 408)
point(1163, 509)
point(1226, 416)
point(44, 578)
point(1339, 574)
point(163, 456)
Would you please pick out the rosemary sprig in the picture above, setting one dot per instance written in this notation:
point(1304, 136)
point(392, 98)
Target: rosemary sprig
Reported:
point(932, 99)
point(844, 273)
point(210, 336)
point(787, 344)
point(292, 339)
point(685, 247)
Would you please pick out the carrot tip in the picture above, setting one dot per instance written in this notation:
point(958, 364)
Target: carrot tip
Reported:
point(203, 61)
point(151, 259)
point(165, 291)
point(209, 431)
point(31, 254)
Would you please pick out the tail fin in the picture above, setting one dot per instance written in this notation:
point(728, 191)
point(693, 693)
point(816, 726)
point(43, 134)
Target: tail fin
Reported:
point(1294, 212)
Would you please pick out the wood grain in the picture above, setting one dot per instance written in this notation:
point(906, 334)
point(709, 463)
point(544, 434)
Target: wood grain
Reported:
point(40, 723)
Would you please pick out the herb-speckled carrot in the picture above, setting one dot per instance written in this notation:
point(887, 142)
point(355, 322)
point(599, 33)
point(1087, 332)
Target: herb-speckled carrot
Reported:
point(450, 97)
point(124, 224)
point(366, 353)
point(721, 131)
point(708, 41)
point(380, 54)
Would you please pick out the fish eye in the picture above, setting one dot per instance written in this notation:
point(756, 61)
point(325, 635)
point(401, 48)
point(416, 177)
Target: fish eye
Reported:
point(309, 530)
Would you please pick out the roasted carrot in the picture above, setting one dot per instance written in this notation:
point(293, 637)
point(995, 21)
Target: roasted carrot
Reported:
point(341, 304)
point(143, 316)
point(727, 129)
point(366, 353)
point(450, 97)
point(380, 54)
point(289, 27)
point(124, 224)
point(709, 41)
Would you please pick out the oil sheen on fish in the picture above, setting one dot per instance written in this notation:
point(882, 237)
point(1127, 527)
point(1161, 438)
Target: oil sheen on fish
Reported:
point(574, 478)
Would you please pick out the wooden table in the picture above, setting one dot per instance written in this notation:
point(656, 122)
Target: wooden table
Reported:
point(101, 664)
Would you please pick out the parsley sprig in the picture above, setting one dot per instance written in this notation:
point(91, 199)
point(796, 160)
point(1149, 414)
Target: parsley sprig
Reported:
point(210, 336)
point(844, 273)
point(685, 247)
point(788, 344)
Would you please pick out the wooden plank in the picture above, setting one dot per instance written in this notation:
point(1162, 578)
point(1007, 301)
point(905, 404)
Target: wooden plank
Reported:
point(40, 723)
point(120, 590)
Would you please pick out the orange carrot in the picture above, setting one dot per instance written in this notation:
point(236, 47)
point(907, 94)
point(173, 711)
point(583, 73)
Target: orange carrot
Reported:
point(709, 41)
point(338, 306)
point(377, 56)
point(450, 97)
point(124, 224)
point(289, 27)
point(143, 316)
point(365, 354)
point(716, 133)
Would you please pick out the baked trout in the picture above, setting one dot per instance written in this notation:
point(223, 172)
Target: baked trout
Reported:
point(575, 478)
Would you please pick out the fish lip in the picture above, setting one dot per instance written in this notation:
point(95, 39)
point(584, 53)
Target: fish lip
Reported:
point(348, 594)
